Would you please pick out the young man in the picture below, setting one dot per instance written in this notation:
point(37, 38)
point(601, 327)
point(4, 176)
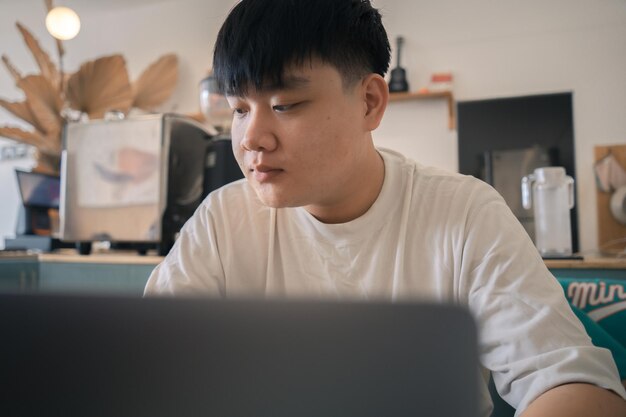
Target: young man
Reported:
point(323, 213)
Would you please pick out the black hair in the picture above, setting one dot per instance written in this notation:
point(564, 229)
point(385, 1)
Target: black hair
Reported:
point(261, 37)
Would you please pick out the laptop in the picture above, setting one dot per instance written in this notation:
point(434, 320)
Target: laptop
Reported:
point(38, 189)
point(39, 193)
point(100, 356)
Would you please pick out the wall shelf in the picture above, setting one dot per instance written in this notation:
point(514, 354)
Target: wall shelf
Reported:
point(431, 95)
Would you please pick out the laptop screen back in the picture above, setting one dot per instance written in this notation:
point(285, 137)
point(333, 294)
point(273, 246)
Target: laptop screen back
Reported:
point(38, 189)
point(76, 356)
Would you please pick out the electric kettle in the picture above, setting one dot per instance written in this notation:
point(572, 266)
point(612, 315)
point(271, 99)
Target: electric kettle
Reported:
point(551, 192)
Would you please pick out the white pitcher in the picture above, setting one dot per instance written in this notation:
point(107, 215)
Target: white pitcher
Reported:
point(552, 194)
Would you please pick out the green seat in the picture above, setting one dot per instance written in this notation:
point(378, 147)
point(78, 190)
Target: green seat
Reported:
point(500, 407)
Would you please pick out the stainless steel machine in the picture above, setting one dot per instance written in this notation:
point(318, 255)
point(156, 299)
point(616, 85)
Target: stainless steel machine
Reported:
point(504, 170)
point(136, 181)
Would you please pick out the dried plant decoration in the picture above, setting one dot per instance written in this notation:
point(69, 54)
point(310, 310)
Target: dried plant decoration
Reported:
point(21, 110)
point(99, 86)
point(11, 68)
point(156, 84)
point(45, 103)
point(30, 138)
point(46, 67)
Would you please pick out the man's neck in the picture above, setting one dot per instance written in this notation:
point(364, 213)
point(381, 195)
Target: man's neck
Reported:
point(364, 186)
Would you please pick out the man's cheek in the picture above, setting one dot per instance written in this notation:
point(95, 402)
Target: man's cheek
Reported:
point(239, 154)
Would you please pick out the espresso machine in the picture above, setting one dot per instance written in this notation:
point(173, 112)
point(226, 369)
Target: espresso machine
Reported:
point(134, 182)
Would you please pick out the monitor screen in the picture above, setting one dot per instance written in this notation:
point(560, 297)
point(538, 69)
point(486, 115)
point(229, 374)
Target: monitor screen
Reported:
point(38, 189)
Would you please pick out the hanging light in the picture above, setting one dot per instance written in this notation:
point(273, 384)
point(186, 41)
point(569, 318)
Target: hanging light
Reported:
point(63, 23)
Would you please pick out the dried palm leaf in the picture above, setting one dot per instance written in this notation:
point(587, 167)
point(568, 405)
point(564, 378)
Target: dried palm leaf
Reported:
point(156, 83)
point(45, 102)
point(47, 68)
point(22, 110)
point(43, 144)
point(99, 86)
point(12, 70)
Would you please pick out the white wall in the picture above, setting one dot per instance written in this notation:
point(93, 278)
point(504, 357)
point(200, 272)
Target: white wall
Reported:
point(494, 49)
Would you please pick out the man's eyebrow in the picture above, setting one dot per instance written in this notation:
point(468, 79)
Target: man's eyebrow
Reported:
point(288, 82)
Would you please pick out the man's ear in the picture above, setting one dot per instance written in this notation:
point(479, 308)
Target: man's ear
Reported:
point(376, 96)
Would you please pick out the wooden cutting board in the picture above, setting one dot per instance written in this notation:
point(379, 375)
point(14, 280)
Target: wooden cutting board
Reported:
point(609, 230)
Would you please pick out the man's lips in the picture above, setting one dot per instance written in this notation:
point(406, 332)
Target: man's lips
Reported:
point(264, 173)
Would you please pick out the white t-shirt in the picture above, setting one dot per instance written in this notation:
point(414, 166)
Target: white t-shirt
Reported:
point(430, 235)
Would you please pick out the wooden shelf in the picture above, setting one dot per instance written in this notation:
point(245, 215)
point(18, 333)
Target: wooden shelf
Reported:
point(426, 96)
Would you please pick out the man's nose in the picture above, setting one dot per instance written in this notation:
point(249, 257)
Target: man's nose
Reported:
point(258, 135)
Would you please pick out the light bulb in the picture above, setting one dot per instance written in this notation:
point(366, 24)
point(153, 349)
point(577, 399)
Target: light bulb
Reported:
point(63, 23)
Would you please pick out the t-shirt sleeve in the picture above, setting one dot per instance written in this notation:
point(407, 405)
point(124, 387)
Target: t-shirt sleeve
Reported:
point(530, 339)
point(193, 265)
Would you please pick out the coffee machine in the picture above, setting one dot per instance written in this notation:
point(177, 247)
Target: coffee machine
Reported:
point(134, 182)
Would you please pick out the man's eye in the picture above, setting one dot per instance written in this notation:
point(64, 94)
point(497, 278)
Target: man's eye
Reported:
point(239, 112)
point(284, 107)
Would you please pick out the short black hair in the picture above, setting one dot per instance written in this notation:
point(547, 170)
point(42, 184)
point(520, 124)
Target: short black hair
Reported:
point(261, 37)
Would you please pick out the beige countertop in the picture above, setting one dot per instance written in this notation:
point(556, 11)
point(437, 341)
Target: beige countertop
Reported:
point(102, 258)
point(131, 257)
point(71, 256)
point(590, 262)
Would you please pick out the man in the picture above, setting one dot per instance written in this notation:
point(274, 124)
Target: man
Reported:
point(323, 213)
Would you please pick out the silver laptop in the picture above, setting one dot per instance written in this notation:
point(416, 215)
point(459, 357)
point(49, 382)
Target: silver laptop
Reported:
point(91, 356)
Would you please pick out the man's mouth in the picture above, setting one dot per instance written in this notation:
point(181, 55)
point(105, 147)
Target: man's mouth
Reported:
point(264, 173)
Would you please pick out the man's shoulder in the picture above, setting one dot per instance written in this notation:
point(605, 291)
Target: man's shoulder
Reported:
point(431, 175)
point(435, 184)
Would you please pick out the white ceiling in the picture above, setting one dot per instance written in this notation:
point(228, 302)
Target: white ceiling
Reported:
point(107, 5)
point(90, 5)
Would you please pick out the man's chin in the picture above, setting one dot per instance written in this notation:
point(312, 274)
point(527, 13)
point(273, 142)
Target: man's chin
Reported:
point(275, 201)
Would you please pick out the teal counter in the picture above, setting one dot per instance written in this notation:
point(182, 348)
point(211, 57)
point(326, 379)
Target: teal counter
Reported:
point(127, 273)
point(68, 272)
